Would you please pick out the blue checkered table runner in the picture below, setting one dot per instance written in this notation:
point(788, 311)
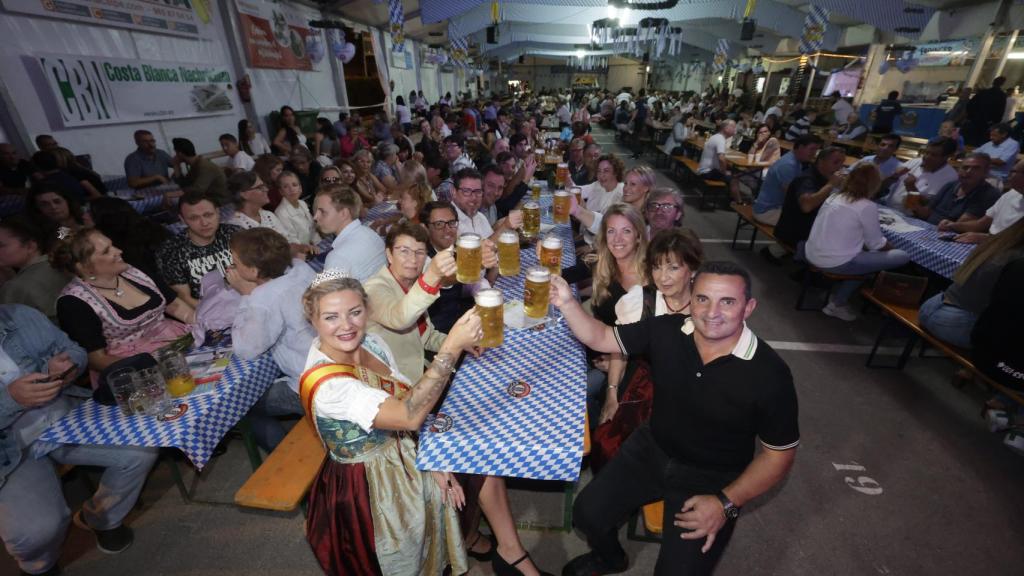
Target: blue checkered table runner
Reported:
point(517, 410)
point(196, 432)
point(925, 248)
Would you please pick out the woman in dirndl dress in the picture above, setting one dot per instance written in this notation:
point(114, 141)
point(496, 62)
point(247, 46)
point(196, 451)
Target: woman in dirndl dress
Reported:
point(370, 510)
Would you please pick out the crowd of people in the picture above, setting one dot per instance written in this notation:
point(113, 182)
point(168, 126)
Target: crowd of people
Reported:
point(366, 347)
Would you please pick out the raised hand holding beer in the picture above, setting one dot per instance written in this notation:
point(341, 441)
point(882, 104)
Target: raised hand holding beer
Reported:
point(489, 255)
point(442, 265)
point(560, 293)
point(514, 220)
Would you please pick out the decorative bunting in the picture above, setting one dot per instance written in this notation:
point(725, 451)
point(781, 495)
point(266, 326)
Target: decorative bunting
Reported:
point(721, 55)
point(396, 17)
point(815, 25)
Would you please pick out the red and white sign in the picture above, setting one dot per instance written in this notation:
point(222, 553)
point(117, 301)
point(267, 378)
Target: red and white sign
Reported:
point(274, 35)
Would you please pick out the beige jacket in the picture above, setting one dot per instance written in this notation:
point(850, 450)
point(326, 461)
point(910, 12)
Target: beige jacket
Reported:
point(393, 316)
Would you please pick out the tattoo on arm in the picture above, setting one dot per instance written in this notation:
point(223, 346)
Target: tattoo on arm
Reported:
point(427, 390)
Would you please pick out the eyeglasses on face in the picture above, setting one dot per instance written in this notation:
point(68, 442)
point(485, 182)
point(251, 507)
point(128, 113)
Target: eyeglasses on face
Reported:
point(441, 224)
point(409, 252)
point(472, 191)
point(331, 179)
point(660, 206)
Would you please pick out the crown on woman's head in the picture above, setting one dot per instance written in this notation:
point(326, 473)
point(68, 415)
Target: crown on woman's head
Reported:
point(63, 233)
point(329, 274)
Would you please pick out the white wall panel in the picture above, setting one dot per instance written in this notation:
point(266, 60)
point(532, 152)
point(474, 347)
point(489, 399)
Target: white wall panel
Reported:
point(25, 36)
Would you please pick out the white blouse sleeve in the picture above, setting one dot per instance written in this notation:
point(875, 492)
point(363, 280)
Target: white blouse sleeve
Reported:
point(630, 306)
point(873, 238)
point(348, 399)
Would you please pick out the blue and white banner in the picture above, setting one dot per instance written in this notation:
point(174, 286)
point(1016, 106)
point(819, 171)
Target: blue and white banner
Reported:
point(460, 48)
point(396, 22)
point(815, 25)
point(949, 53)
point(721, 55)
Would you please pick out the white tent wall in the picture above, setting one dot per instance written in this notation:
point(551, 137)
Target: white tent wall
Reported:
point(430, 82)
point(26, 36)
point(405, 79)
point(446, 84)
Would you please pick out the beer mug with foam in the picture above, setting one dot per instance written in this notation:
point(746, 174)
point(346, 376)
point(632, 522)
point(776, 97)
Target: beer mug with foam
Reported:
point(536, 292)
point(551, 254)
point(508, 253)
point(531, 219)
point(468, 258)
point(560, 207)
point(489, 306)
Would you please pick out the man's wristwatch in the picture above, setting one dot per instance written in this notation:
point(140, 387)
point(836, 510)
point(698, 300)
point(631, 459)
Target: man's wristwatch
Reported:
point(731, 510)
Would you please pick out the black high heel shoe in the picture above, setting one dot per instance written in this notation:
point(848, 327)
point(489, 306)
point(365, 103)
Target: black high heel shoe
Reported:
point(482, 556)
point(503, 568)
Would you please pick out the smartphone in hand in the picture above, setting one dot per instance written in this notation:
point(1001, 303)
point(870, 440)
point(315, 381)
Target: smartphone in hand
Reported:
point(57, 377)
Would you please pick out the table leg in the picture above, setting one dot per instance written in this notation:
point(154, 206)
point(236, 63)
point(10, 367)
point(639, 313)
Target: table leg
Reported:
point(255, 459)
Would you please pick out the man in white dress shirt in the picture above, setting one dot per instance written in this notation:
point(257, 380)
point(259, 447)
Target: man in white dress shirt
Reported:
point(467, 196)
point(925, 175)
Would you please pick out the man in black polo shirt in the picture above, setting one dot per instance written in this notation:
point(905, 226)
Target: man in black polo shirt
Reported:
point(806, 194)
point(718, 387)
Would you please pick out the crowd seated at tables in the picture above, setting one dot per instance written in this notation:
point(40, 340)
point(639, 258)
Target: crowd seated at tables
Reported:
point(378, 205)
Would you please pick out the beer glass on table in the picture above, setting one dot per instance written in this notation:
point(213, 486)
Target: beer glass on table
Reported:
point(468, 258)
point(489, 306)
point(535, 190)
point(531, 219)
point(536, 292)
point(551, 254)
point(560, 207)
point(508, 253)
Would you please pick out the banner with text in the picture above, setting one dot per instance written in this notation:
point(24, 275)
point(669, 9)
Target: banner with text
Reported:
point(179, 17)
point(274, 35)
point(93, 90)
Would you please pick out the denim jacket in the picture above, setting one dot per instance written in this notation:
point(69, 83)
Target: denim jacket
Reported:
point(30, 339)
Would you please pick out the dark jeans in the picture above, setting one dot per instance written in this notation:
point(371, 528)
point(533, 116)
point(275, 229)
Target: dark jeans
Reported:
point(639, 474)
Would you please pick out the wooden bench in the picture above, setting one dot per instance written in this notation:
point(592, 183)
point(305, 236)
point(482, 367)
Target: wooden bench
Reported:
point(908, 317)
point(652, 515)
point(705, 187)
point(745, 219)
point(283, 480)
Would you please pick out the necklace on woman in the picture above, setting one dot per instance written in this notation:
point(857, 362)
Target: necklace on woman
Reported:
point(674, 310)
point(117, 290)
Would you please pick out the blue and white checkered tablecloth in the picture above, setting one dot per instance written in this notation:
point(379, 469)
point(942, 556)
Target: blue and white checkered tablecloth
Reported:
point(516, 411)
point(196, 432)
point(925, 248)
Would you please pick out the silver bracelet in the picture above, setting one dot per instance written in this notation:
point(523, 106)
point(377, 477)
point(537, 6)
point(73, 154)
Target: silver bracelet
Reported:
point(443, 365)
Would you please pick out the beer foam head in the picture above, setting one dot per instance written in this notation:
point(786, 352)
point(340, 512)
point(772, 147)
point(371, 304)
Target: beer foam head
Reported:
point(531, 205)
point(509, 237)
point(577, 190)
point(539, 150)
point(562, 193)
point(563, 164)
point(489, 298)
point(538, 274)
point(552, 241)
point(469, 240)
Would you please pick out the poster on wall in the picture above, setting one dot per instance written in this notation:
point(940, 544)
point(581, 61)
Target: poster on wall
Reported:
point(274, 35)
point(91, 90)
point(951, 53)
point(178, 17)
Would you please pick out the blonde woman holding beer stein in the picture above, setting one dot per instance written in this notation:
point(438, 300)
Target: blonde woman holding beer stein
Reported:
point(621, 255)
point(353, 389)
point(597, 197)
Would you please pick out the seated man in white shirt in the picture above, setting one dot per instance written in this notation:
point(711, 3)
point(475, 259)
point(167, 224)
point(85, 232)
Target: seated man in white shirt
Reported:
point(467, 196)
point(1001, 149)
point(925, 175)
point(356, 248)
point(713, 164)
point(270, 319)
point(1003, 214)
point(841, 109)
point(238, 160)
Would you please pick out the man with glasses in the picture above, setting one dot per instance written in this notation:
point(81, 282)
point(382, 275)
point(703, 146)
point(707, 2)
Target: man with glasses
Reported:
point(454, 154)
point(148, 165)
point(455, 299)
point(964, 200)
point(664, 210)
point(468, 193)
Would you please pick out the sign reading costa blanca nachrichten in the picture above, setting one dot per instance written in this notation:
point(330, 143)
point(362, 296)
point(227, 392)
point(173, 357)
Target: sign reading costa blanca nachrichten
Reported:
point(92, 90)
point(178, 17)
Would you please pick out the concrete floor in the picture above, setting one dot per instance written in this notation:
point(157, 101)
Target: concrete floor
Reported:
point(921, 473)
